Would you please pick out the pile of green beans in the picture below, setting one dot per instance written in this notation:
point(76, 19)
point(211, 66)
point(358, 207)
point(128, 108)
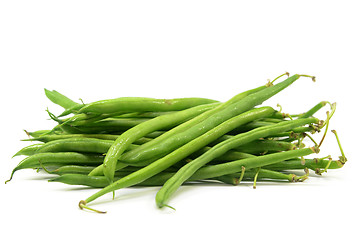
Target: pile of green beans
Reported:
point(134, 141)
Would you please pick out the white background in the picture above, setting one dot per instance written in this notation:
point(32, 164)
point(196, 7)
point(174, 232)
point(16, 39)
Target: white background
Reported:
point(104, 49)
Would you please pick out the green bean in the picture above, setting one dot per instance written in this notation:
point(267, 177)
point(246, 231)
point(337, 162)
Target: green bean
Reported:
point(37, 133)
point(53, 137)
point(297, 130)
point(244, 102)
point(70, 110)
point(143, 114)
point(185, 172)
point(252, 125)
point(314, 109)
point(29, 150)
point(258, 147)
point(265, 174)
point(87, 169)
point(158, 123)
point(84, 145)
point(109, 125)
point(141, 104)
point(265, 146)
point(182, 152)
point(57, 159)
point(80, 119)
point(81, 179)
point(69, 105)
point(90, 145)
point(67, 129)
point(313, 164)
point(60, 99)
point(73, 169)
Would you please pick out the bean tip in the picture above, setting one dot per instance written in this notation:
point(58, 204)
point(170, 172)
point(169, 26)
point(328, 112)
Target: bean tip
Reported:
point(83, 205)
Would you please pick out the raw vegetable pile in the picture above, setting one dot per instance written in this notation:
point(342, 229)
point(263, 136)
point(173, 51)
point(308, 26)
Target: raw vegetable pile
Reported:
point(118, 143)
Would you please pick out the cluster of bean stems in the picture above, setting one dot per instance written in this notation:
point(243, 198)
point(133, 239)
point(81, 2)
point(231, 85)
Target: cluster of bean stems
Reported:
point(128, 141)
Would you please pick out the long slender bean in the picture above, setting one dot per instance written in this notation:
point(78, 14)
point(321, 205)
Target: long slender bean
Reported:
point(314, 164)
point(140, 104)
point(57, 159)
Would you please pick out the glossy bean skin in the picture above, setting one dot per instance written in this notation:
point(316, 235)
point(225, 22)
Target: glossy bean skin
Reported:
point(182, 152)
point(140, 104)
point(189, 169)
point(255, 148)
point(264, 146)
point(90, 145)
point(53, 137)
point(70, 110)
point(313, 110)
point(57, 159)
point(82, 145)
point(217, 116)
point(109, 126)
point(73, 169)
point(69, 105)
point(29, 150)
point(165, 121)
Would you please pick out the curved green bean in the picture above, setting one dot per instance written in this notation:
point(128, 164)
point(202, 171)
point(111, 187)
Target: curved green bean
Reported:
point(57, 159)
point(29, 150)
point(141, 104)
point(189, 169)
